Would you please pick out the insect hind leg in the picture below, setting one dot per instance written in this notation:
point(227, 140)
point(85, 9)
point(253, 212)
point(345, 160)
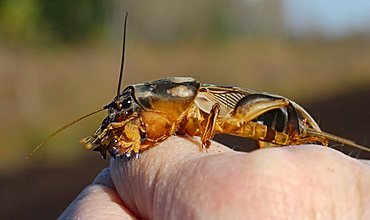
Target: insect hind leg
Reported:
point(244, 122)
point(274, 112)
point(252, 106)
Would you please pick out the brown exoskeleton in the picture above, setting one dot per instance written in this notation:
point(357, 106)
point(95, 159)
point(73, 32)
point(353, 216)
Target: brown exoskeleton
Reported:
point(143, 115)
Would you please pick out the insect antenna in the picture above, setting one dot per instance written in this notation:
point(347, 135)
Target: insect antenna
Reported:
point(123, 55)
point(61, 129)
point(337, 139)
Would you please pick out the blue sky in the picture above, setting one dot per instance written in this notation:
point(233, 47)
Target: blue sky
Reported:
point(332, 18)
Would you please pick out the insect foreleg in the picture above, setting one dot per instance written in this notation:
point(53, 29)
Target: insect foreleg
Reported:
point(125, 139)
point(130, 138)
point(100, 134)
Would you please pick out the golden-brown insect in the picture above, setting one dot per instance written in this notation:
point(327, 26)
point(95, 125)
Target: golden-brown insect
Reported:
point(143, 115)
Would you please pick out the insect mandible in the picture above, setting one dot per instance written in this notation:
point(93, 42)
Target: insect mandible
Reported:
point(143, 115)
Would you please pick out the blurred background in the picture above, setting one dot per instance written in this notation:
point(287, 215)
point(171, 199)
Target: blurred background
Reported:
point(60, 59)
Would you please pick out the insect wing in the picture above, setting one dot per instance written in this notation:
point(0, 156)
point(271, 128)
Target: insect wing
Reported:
point(229, 96)
point(226, 96)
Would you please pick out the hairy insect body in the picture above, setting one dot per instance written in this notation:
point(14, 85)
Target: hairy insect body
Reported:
point(143, 115)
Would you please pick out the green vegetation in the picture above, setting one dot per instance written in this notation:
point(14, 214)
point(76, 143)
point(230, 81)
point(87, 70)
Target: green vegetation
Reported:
point(34, 21)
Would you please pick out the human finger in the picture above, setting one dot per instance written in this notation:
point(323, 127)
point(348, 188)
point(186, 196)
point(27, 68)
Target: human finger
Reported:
point(98, 201)
point(176, 180)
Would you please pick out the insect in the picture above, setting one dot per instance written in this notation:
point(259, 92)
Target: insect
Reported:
point(143, 115)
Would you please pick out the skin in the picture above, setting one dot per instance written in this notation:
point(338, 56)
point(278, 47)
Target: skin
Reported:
point(176, 180)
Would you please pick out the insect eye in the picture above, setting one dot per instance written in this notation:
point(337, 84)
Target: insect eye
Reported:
point(126, 103)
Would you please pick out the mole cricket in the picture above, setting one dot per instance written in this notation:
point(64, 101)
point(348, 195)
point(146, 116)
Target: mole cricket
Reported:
point(143, 115)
